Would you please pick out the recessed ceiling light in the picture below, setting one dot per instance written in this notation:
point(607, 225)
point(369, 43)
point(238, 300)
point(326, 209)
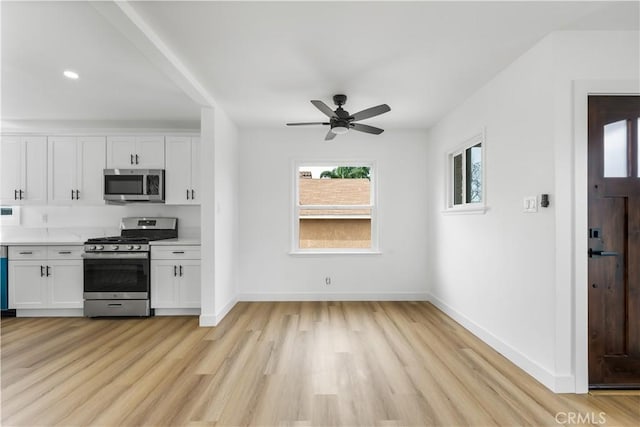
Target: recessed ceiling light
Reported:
point(71, 74)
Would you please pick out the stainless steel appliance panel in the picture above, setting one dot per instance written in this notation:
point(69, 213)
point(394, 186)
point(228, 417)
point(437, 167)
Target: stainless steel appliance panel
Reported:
point(131, 307)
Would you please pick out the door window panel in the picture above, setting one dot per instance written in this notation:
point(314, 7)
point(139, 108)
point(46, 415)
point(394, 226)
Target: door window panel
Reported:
point(615, 149)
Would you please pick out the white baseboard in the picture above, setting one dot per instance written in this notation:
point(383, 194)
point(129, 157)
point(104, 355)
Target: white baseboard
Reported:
point(177, 311)
point(557, 384)
point(310, 296)
point(50, 312)
point(214, 319)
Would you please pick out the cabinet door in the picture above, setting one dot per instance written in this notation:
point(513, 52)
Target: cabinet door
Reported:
point(177, 173)
point(149, 152)
point(189, 287)
point(62, 169)
point(35, 170)
point(10, 169)
point(65, 284)
point(27, 284)
point(90, 173)
point(195, 170)
point(163, 284)
point(120, 152)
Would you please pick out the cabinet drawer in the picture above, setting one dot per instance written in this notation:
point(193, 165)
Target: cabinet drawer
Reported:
point(64, 252)
point(27, 252)
point(175, 252)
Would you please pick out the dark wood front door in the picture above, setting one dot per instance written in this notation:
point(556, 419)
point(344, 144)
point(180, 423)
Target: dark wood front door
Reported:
point(614, 242)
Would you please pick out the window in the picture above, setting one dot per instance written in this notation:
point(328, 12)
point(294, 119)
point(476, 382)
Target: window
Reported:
point(465, 179)
point(334, 209)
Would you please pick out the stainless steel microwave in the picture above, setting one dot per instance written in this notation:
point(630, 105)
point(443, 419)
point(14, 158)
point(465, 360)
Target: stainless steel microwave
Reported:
point(134, 185)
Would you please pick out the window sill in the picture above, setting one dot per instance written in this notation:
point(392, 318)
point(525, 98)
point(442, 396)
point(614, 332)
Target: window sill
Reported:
point(466, 210)
point(334, 252)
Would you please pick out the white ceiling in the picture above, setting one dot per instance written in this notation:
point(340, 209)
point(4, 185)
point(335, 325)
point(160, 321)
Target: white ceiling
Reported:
point(263, 61)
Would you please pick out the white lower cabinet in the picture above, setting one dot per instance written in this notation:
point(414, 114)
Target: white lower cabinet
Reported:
point(45, 278)
point(175, 279)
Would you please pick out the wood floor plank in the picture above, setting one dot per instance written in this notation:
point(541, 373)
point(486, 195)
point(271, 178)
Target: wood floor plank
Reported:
point(278, 364)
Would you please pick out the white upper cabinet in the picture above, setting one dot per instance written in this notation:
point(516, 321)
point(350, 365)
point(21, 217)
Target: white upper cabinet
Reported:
point(76, 169)
point(135, 152)
point(182, 175)
point(23, 170)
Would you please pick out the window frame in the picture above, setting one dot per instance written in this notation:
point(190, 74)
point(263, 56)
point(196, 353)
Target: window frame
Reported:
point(296, 208)
point(461, 149)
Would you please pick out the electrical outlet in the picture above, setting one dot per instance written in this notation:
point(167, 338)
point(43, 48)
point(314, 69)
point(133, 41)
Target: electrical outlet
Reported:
point(327, 280)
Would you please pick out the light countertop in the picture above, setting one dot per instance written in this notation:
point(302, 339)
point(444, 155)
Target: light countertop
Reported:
point(62, 236)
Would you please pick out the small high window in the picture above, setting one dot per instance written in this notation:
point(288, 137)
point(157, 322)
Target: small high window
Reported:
point(466, 176)
point(334, 207)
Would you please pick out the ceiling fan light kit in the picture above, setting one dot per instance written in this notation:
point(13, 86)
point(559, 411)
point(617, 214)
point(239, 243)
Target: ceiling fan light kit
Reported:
point(340, 121)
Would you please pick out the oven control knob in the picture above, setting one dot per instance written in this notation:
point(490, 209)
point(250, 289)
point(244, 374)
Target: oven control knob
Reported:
point(130, 247)
point(99, 247)
point(137, 247)
point(92, 248)
point(114, 247)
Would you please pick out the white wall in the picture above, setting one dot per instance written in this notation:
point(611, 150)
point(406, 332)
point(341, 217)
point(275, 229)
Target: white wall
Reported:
point(507, 275)
point(227, 170)
point(219, 168)
point(269, 272)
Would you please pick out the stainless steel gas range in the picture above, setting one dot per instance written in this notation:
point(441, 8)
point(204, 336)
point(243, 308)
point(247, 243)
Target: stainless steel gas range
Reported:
point(117, 269)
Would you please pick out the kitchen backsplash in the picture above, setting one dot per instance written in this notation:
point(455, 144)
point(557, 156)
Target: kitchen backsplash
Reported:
point(100, 219)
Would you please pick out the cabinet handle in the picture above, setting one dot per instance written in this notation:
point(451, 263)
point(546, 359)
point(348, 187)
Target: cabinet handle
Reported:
point(177, 252)
point(26, 253)
point(180, 271)
point(77, 194)
point(71, 194)
point(64, 252)
point(175, 271)
point(187, 194)
point(193, 195)
point(48, 274)
point(15, 194)
point(131, 161)
point(137, 159)
point(41, 271)
point(21, 194)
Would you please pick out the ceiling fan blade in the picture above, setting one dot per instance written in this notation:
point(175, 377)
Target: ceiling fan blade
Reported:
point(323, 107)
point(371, 112)
point(330, 136)
point(307, 123)
point(366, 128)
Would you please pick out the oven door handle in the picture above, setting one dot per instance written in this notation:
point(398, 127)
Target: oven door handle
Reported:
point(116, 255)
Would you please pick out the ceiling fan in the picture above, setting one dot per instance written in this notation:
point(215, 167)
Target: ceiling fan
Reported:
point(341, 121)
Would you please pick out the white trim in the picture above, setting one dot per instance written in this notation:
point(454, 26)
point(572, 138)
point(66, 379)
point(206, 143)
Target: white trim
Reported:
point(315, 296)
point(296, 164)
point(334, 251)
point(581, 89)
point(220, 314)
point(542, 375)
point(177, 311)
point(207, 320)
point(50, 312)
point(466, 208)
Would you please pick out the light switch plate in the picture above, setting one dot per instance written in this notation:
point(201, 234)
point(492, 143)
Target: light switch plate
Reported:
point(530, 204)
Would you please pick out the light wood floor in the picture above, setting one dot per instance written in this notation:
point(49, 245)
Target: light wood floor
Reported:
point(277, 364)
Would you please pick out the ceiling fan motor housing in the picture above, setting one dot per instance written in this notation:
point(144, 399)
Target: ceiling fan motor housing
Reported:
point(339, 99)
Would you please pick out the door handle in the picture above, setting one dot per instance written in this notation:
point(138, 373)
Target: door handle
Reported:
point(77, 194)
point(175, 271)
point(137, 159)
point(598, 253)
point(193, 195)
point(41, 271)
point(21, 194)
point(180, 271)
point(48, 274)
point(15, 194)
point(72, 194)
point(187, 194)
point(131, 161)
